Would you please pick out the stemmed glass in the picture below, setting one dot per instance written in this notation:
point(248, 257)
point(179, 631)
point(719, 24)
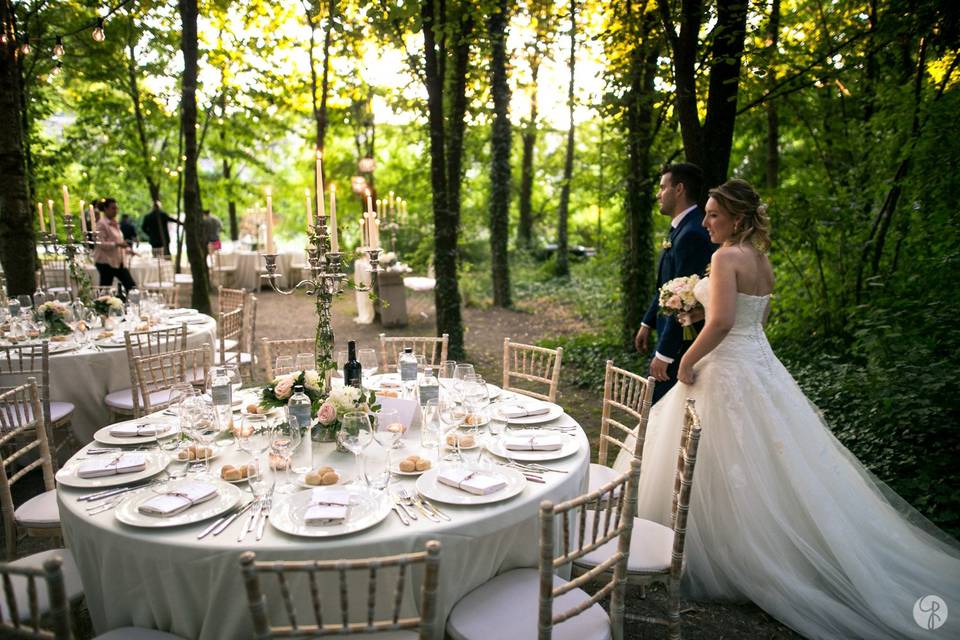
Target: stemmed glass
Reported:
point(460, 373)
point(284, 439)
point(355, 434)
point(429, 427)
point(202, 421)
point(341, 361)
point(445, 374)
point(284, 365)
point(305, 362)
point(368, 360)
point(387, 429)
point(451, 416)
point(255, 438)
point(169, 443)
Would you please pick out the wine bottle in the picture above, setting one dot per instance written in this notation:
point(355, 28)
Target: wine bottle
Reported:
point(352, 371)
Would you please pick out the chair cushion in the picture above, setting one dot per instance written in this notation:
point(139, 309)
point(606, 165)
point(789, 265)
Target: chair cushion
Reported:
point(506, 608)
point(39, 512)
point(183, 278)
point(601, 474)
point(71, 583)
point(229, 344)
point(651, 547)
point(58, 411)
point(123, 399)
point(136, 633)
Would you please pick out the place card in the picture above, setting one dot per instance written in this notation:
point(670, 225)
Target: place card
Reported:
point(124, 463)
point(475, 482)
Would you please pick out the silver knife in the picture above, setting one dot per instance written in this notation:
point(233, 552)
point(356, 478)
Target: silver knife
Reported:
point(263, 519)
point(432, 508)
point(403, 518)
point(248, 525)
point(230, 520)
point(222, 520)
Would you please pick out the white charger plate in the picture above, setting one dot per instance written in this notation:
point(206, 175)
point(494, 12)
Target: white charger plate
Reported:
point(570, 446)
point(103, 435)
point(227, 497)
point(61, 347)
point(554, 411)
point(430, 486)
point(67, 475)
point(366, 510)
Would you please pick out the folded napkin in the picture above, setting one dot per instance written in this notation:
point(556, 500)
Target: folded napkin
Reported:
point(327, 507)
point(137, 430)
point(123, 463)
point(522, 411)
point(475, 482)
point(539, 442)
point(179, 499)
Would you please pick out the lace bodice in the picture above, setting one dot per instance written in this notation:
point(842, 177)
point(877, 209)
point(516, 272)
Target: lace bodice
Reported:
point(750, 309)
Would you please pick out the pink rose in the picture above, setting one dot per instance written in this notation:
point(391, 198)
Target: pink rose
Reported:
point(327, 414)
point(674, 302)
point(283, 388)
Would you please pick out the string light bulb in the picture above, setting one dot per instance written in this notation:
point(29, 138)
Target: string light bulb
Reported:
point(57, 68)
point(58, 48)
point(25, 48)
point(98, 34)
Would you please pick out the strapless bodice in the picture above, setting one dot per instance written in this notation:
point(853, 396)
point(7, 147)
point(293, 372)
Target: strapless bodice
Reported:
point(749, 312)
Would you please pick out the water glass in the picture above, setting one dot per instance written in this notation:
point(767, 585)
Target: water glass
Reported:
point(305, 362)
point(341, 361)
point(376, 468)
point(283, 365)
point(429, 425)
point(460, 373)
point(284, 440)
point(368, 360)
point(261, 479)
point(202, 425)
point(387, 429)
point(354, 434)
point(254, 435)
point(451, 417)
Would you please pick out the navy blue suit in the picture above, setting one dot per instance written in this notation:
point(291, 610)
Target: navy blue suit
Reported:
point(689, 254)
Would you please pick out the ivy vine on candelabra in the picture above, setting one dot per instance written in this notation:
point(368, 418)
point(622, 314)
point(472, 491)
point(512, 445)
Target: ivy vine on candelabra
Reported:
point(326, 281)
point(69, 249)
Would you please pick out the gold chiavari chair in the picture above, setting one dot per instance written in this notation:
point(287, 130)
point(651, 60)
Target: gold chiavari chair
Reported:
point(530, 365)
point(338, 622)
point(657, 551)
point(24, 605)
point(432, 348)
point(270, 350)
point(155, 376)
point(230, 299)
point(503, 607)
point(123, 403)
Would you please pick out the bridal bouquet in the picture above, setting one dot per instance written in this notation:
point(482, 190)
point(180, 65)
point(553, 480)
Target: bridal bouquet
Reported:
point(677, 299)
point(104, 304)
point(54, 316)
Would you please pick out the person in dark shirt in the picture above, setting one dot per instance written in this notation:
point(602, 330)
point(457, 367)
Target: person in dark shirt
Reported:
point(154, 224)
point(128, 229)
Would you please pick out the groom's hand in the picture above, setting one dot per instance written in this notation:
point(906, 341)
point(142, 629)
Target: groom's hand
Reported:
point(658, 369)
point(642, 340)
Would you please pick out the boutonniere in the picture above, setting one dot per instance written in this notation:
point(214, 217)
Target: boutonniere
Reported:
point(665, 244)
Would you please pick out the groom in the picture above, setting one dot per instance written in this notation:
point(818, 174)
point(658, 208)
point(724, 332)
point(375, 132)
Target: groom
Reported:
point(686, 251)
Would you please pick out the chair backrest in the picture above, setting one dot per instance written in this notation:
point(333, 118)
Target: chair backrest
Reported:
point(12, 619)
point(250, 326)
point(271, 349)
point(432, 348)
point(230, 327)
point(524, 363)
point(22, 430)
point(627, 399)
point(339, 618)
point(24, 361)
point(683, 484)
point(157, 373)
point(165, 275)
point(151, 343)
point(230, 299)
point(612, 508)
point(55, 274)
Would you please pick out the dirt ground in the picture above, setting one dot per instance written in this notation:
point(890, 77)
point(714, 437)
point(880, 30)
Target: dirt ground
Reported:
point(293, 317)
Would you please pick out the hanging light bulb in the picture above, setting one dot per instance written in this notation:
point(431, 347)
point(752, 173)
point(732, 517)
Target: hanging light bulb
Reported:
point(25, 48)
point(58, 48)
point(57, 68)
point(98, 34)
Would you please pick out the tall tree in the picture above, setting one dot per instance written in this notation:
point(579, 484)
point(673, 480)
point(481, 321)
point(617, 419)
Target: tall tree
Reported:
point(772, 165)
point(500, 145)
point(562, 265)
point(133, 88)
point(707, 144)
point(314, 16)
point(193, 221)
point(17, 240)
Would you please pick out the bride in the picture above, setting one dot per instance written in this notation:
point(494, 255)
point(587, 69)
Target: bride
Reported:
point(781, 513)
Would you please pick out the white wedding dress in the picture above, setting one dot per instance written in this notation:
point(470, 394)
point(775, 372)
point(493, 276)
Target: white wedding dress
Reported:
point(781, 513)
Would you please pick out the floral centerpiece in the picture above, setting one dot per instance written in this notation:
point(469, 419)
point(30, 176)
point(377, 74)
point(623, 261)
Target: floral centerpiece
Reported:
point(327, 409)
point(677, 299)
point(104, 304)
point(54, 316)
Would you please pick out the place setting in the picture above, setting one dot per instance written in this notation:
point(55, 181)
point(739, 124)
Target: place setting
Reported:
point(136, 432)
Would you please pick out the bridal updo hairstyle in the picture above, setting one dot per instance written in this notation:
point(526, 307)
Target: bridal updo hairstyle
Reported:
point(740, 200)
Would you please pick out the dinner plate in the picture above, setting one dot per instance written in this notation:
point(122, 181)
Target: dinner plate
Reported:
point(366, 510)
point(554, 411)
point(67, 475)
point(227, 497)
point(570, 446)
point(176, 313)
point(430, 486)
point(61, 347)
point(103, 435)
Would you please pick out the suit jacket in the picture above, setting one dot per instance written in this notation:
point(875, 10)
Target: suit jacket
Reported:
point(689, 254)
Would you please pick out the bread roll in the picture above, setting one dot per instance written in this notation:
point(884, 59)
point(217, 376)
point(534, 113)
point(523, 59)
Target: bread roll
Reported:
point(330, 477)
point(231, 473)
point(252, 408)
point(314, 478)
point(467, 441)
point(422, 465)
point(408, 465)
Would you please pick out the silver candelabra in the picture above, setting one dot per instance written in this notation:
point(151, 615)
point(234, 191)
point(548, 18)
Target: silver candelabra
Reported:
point(70, 248)
point(326, 281)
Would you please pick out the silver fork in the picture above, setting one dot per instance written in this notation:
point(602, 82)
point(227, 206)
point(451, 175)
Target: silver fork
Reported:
point(408, 500)
point(248, 525)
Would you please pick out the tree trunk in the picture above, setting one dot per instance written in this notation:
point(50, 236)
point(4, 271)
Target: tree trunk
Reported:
point(193, 221)
point(638, 268)
point(562, 265)
point(773, 121)
point(529, 139)
point(707, 145)
point(17, 241)
point(500, 144)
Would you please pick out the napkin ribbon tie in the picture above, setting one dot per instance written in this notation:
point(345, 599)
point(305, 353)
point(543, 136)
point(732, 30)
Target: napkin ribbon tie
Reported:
point(470, 475)
point(180, 494)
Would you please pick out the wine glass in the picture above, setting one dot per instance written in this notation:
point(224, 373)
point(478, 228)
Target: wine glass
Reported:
point(202, 421)
point(451, 416)
point(341, 361)
point(429, 425)
point(284, 439)
point(255, 434)
point(354, 434)
point(284, 365)
point(169, 443)
point(376, 468)
point(460, 372)
point(445, 373)
point(387, 429)
point(261, 480)
point(368, 360)
point(178, 393)
point(305, 362)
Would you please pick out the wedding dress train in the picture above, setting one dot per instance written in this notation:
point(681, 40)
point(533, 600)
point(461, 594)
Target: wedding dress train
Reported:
point(782, 514)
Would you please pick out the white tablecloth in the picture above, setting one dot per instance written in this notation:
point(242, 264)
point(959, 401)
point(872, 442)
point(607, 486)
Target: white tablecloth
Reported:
point(144, 271)
point(169, 580)
point(249, 264)
point(86, 378)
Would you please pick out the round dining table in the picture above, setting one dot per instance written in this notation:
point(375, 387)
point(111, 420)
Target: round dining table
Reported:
point(85, 376)
point(169, 579)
